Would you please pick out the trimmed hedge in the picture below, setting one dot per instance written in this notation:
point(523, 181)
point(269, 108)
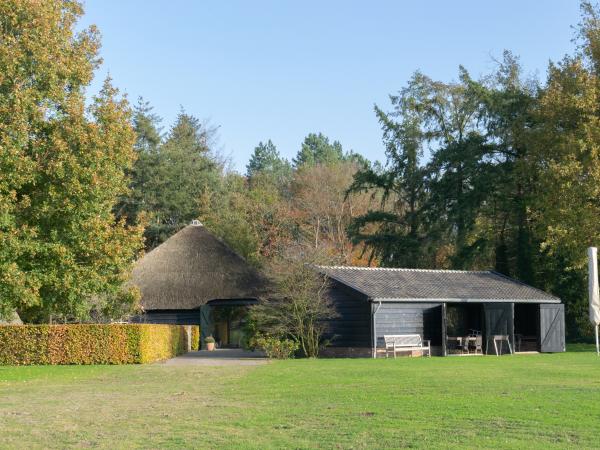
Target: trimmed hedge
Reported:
point(90, 343)
point(195, 337)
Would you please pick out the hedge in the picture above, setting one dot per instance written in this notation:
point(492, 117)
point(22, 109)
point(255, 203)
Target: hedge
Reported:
point(195, 337)
point(90, 344)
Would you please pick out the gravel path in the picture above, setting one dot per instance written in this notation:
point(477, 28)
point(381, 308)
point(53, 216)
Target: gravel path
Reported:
point(220, 357)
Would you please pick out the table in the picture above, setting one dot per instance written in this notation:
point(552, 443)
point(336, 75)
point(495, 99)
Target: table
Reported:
point(462, 342)
point(501, 338)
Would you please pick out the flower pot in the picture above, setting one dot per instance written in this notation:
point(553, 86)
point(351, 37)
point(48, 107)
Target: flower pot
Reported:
point(210, 346)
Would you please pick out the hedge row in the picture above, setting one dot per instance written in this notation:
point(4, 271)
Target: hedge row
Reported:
point(195, 337)
point(90, 344)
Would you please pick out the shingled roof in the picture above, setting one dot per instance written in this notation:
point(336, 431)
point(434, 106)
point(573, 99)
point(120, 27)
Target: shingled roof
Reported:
point(381, 284)
point(192, 267)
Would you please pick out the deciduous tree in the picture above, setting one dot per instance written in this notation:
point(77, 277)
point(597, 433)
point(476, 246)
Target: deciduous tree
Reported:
point(62, 168)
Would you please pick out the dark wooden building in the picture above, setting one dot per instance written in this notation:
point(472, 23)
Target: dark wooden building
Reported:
point(439, 304)
point(194, 278)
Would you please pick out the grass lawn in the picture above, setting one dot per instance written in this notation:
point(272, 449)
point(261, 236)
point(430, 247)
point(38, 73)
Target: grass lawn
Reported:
point(522, 401)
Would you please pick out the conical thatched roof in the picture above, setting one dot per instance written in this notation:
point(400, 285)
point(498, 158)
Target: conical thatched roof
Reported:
point(191, 268)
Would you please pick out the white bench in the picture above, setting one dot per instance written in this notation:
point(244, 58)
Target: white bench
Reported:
point(405, 342)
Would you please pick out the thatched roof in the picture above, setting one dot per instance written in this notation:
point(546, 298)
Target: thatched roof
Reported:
point(191, 268)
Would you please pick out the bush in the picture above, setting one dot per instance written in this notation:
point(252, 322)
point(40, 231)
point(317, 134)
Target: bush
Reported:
point(209, 340)
point(195, 337)
point(300, 308)
point(276, 348)
point(90, 344)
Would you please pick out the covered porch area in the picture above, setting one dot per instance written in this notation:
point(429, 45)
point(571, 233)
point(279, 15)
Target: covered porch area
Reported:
point(226, 320)
point(469, 328)
point(498, 328)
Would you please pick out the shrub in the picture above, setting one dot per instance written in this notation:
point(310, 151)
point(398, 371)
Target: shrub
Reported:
point(90, 343)
point(299, 309)
point(276, 348)
point(209, 340)
point(195, 337)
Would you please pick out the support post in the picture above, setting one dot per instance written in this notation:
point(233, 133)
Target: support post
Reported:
point(597, 342)
point(374, 327)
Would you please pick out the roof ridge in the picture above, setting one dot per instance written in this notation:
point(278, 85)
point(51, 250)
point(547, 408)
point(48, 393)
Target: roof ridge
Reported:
point(400, 269)
point(522, 283)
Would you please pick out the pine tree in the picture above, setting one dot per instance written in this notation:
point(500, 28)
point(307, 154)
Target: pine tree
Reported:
point(267, 167)
point(185, 168)
point(146, 125)
point(316, 149)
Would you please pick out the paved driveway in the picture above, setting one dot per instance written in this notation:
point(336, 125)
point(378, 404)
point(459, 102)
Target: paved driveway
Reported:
point(220, 357)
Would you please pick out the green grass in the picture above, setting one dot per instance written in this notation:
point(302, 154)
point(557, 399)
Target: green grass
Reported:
point(522, 401)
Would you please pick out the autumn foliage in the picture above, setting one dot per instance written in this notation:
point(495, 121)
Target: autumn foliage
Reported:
point(62, 167)
point(90, 343)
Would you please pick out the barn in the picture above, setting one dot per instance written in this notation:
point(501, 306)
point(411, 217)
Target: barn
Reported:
point(194, 278)
point(443, 306)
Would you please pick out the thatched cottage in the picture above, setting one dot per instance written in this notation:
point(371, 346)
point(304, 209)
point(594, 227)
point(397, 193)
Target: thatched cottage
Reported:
point(195, 278)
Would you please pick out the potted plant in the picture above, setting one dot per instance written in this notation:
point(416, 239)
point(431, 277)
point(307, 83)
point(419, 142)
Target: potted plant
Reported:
point(210, 343)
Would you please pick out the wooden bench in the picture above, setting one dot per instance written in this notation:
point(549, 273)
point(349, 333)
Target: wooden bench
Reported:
point(405, 342)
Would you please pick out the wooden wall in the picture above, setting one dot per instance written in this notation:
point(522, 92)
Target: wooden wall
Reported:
point(174, 316)
point(552, 328)
point(409, 318)
point(352, 326)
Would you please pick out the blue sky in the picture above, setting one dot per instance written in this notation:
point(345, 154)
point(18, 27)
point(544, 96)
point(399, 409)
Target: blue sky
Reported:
point(280, 70)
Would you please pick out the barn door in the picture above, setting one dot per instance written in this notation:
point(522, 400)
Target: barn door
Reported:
point(499, 320)
point(552, 328)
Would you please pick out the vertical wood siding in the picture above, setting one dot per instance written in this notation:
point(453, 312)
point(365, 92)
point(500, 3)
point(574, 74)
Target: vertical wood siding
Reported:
point(552, 328)
point(410, 318)
point(499, 319)
point(174, 317)
point(352, 325)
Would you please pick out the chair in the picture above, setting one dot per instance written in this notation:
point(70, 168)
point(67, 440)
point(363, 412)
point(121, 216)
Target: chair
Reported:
point(479, 344)
point(465, 344)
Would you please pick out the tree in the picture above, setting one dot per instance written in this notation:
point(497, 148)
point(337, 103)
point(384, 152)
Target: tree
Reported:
point(395, 233)
point(267, 167)
point(316, 149)
point(301, 309)
point(469, 207)
point(253, 218)
point(566, 153)
point(62, 252)
point(509, 115)
point(147, 128)
point(266, 160)
point(146, 125)
point(324, 211)
point(183, 170)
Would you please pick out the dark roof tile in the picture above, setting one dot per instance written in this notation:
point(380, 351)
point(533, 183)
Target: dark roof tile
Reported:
point(449, 285)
